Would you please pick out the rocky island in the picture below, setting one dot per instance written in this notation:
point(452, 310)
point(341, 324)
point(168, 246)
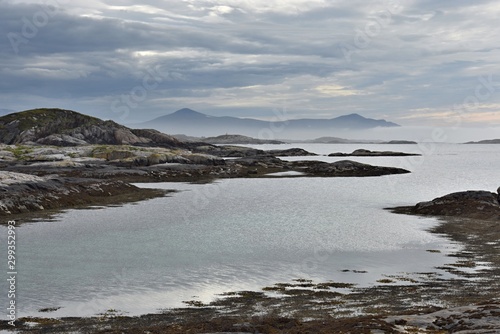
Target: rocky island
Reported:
point(486, 141)
point(59, 159)
point(368, 153)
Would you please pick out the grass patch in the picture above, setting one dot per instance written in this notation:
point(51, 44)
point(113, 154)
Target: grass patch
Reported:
point(20, 151)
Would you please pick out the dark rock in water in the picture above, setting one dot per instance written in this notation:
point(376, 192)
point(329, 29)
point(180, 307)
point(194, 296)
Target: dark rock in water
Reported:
point(470, 204)
point(231, 151)
point(291, 152)
point(368, 153)
point(351, 168)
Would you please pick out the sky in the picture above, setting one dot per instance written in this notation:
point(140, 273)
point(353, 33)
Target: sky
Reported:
point(417, 63)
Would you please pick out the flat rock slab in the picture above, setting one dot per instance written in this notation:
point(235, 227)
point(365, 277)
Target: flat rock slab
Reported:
point(22, 193)
point(350, 168)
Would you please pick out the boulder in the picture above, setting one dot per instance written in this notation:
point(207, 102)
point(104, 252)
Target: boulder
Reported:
point(471, 203)
point(478, 204)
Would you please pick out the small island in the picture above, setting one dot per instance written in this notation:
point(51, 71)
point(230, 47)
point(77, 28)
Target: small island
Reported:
point(368, 153)
point(487, 141)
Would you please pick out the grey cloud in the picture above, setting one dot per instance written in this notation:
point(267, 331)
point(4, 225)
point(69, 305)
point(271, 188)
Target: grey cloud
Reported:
point(427, 55)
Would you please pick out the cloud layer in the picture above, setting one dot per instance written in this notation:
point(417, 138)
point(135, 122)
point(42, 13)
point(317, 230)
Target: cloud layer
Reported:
point(417, 63)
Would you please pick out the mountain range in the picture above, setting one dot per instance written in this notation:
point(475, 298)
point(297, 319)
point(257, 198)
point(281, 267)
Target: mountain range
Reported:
point(191, 122)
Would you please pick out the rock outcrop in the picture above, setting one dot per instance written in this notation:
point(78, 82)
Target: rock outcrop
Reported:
point(68, 128)
point(22, 193)
point(368, 153)
point(350, 168)
point(476, 204)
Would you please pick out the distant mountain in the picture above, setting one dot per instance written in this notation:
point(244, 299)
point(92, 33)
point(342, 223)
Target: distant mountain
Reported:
point(190, 122)
point(185, 114)
point(488, 141)
point(68, 128)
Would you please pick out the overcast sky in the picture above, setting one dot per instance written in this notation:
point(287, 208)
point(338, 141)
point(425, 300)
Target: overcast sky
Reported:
point(416, 63)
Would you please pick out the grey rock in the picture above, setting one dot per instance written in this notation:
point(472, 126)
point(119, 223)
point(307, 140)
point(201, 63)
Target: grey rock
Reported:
point(68, 128)
point(478, 204)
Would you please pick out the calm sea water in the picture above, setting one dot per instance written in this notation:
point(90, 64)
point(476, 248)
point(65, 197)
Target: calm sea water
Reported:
point(242, 234)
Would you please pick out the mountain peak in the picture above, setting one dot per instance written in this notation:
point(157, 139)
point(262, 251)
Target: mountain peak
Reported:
point(186, 112)
point(352, 116)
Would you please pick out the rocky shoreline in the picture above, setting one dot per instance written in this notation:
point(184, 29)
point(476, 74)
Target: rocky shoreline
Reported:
point(22, 194)
point(93, 162)
point(407, 303)
point(39, 178)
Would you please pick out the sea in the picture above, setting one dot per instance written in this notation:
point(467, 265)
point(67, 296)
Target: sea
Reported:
point(244, 234)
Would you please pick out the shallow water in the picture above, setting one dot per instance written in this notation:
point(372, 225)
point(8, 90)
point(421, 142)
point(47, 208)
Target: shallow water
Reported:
point(243, 234)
